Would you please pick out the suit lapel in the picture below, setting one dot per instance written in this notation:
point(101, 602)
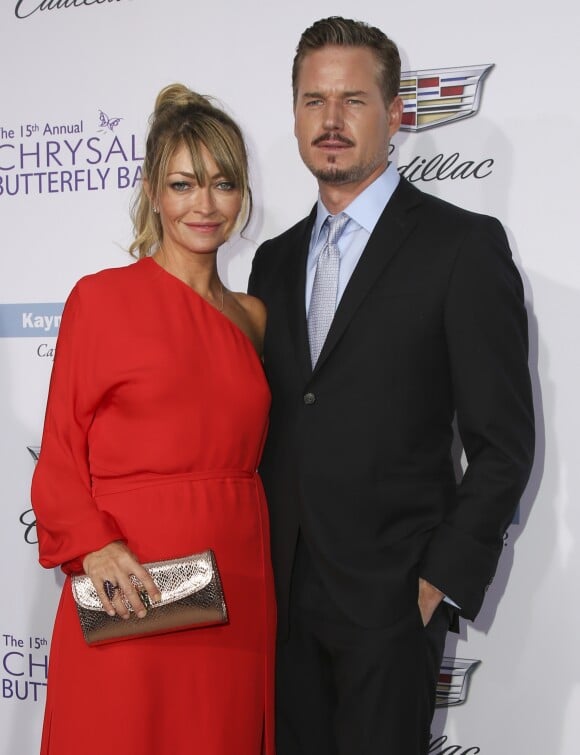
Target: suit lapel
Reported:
point(295, 292)
point(388, 237)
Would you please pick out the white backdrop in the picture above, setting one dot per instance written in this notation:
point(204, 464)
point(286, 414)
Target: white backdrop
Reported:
point(79, 82)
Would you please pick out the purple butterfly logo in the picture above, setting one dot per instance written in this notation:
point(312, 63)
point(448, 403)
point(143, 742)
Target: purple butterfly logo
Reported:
point(107, 123)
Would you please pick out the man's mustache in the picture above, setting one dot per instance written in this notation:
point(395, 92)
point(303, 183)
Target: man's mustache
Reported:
point(331, 136)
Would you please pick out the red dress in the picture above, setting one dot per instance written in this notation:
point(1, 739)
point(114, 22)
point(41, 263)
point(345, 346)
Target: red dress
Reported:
point(155, 422)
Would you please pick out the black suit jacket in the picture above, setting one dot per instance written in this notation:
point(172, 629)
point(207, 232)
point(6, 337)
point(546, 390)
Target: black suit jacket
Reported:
point(358, 458)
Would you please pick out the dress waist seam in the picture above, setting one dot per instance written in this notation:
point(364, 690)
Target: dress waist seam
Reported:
point(110, 487)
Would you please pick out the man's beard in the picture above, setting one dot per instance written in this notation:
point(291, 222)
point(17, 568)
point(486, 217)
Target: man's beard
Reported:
point(334, 175)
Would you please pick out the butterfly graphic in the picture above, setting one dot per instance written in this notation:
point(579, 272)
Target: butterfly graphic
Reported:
point(107, 123)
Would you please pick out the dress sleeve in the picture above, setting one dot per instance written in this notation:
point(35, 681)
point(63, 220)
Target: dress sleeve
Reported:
point(68, 522)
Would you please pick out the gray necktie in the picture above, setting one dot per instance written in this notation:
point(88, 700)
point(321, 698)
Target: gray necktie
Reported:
point(325, 287)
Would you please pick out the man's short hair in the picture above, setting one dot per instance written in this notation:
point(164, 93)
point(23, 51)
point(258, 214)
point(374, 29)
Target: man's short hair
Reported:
point(344, 32)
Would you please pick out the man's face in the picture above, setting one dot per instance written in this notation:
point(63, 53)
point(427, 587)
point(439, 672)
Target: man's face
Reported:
point(341, 122)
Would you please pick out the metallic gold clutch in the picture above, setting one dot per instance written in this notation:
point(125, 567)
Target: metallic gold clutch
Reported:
point(191, 596)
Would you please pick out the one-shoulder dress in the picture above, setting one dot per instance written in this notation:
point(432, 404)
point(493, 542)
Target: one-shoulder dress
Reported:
point(155, 423)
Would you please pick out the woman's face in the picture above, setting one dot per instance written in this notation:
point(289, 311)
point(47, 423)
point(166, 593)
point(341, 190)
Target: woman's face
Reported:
point(196, 218)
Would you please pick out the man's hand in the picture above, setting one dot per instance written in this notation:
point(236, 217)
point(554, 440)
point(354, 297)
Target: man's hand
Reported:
point(429, 599)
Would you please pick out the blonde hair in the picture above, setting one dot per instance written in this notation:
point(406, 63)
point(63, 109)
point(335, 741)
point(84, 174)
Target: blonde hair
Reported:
point(183, 117)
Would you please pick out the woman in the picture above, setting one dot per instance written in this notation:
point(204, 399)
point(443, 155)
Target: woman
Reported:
point(155, 422)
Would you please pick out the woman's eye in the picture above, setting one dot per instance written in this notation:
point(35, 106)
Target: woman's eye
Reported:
point(225, 186)
point(179, 186)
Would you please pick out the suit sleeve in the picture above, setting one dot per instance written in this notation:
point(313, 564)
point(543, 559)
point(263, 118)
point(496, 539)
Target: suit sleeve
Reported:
point(254, 281)
point(68, 522)
point(487, 340)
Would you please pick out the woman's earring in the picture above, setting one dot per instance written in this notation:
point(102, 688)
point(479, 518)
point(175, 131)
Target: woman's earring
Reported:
point(156, 210)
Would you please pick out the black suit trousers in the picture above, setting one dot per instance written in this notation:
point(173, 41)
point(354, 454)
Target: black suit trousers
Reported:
point(344, 689)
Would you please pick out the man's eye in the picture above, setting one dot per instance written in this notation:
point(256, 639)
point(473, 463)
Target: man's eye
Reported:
point(352, 101)
point(313, 103)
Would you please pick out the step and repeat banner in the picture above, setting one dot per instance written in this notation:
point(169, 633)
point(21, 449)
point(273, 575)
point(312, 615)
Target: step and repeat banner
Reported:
point(491, 123)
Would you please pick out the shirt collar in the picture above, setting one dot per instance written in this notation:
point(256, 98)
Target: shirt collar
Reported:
point(368, 206)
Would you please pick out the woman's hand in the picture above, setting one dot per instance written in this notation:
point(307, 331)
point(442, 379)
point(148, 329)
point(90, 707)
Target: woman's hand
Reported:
point(110, 569)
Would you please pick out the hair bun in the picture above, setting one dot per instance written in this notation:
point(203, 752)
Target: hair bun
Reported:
point(178, 95)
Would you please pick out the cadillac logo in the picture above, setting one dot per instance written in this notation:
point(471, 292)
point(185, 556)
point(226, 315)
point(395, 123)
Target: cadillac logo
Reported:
point(454, 681)
point(437, 96)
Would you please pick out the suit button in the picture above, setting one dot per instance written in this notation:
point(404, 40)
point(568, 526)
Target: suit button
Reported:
point(309, 398)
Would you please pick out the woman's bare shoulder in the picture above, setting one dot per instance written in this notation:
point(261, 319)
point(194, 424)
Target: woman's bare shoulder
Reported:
point(254, 315)
point(255, 308)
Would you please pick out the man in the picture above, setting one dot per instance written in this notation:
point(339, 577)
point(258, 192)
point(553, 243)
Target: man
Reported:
point(373, 540)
